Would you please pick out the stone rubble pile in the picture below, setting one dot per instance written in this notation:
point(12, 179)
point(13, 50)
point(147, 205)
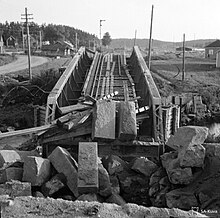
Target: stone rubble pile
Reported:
point(167, 183)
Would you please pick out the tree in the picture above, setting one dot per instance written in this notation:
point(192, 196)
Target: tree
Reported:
point(106, 40)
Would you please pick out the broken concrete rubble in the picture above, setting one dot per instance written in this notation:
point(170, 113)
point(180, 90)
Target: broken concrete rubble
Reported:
point(144, 166)
point(59, 158)
point(127, 121)
point(180, 199)
point(36, 170)
point(88, 168)
point(11, 156)
point(193, 156)
point(187, 136)
point(56, 183)
point(104, 120)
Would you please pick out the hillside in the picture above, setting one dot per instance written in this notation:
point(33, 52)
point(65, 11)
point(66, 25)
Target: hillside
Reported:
point(157, 44)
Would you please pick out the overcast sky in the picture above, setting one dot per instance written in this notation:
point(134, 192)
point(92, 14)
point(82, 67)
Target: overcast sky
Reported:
point(198, 19)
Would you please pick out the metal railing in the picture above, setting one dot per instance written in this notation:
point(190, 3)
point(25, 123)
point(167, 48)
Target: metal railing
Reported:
point(68, 88)
point(147, 90)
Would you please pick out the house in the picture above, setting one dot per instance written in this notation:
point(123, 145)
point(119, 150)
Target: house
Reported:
point(186, 49)
point(58, 48)
point(11, 41)
point(212, 49)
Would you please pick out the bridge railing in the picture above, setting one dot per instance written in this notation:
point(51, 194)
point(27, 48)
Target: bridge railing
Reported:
point(69, 86)
point(147, 90)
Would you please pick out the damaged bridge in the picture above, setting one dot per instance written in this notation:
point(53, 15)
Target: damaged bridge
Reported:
point(109, 98)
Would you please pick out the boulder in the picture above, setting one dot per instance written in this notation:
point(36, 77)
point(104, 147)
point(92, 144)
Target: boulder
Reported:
point(181, 176)
point(144, 165)
point(192, 156)
point(166, 158)
point(11, 156)
point(114, 164)
point(187, 136)
point(36, 170)
point(11, 173)
point(181, 199)
point(116, 199)
point(115, 187)
point(56, 183)
point(104, 181)
point(156, 176)
point(134, 187)
point(176, 174)
point(64, 163)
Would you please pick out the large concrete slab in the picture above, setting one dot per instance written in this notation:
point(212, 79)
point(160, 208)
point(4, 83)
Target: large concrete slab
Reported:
point(88, 167)
point(104, 120)
point(127, 121)
point(36, 170)
point(11, 156)
point(64, 163)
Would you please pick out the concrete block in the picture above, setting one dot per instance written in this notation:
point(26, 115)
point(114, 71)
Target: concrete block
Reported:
point(54, 184)
point(144, 165)
point(36, 170)
point(15, 189)
point(11, 156)
point(127, 121)
point(64, 163)
point(11, 173)
point(88, 167)
point(104, 120)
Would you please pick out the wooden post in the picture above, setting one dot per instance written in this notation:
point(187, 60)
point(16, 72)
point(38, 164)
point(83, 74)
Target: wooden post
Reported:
point(183, 66)
point(150, 39)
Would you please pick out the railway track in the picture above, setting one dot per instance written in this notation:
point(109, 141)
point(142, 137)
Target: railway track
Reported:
point(108, 75)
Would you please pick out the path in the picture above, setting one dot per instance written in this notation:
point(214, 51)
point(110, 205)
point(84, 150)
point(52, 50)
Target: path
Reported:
point(22, 63)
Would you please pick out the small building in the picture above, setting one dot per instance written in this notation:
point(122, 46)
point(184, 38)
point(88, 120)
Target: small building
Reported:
point(11, 41)
point(218, 59)
point(58, 48)
point(212, 49)
point(186, 49)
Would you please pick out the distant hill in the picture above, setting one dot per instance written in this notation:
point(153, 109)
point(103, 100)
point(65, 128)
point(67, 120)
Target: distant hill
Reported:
point(157, 44)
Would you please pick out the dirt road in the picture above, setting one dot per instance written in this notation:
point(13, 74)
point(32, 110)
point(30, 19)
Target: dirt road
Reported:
point(22, 63)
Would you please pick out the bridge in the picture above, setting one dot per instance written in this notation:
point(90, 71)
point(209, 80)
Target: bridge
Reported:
point(98, 74)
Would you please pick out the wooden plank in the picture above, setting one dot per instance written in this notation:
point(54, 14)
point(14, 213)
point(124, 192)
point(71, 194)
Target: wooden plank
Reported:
point(76, 120)
point(126, 92)
point(75, 107)
point(103, 87)
point(83, 130)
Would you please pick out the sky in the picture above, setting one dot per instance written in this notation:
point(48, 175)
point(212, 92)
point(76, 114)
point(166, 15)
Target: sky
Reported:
point(198, 19)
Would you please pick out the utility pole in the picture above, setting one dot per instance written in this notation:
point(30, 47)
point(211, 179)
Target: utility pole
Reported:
point(100, 32)
point(135, 35)
point(22, 29)
point(27, 18)
point(40, 34)
point(150, 39)
point(183, 66)
point(76, 42)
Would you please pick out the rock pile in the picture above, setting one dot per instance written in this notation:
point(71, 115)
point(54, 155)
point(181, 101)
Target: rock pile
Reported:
point(184, 179)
